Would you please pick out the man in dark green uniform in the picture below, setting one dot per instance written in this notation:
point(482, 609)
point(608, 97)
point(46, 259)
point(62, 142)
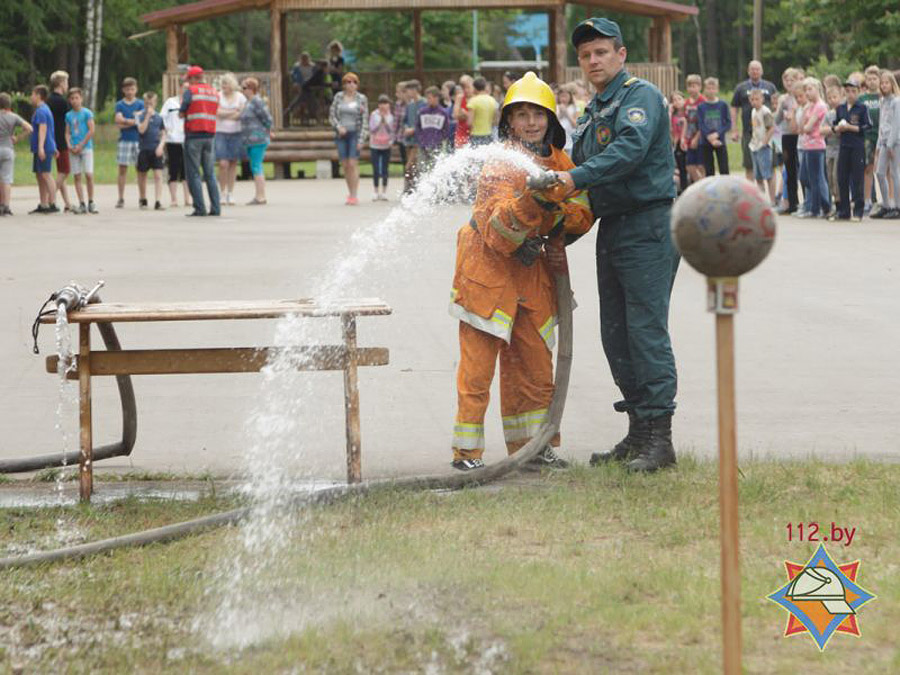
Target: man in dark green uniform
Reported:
point(624, 159)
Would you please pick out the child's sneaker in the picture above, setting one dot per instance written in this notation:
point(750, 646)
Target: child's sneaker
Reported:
point(120, 204)
point(467, 464)
point(158, 207)
point(92, 208)
point(82, 209)
point(143, 204)
point(40, 209)
point(546, 459)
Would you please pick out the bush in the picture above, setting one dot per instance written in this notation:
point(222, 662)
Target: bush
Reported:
point(839, 67)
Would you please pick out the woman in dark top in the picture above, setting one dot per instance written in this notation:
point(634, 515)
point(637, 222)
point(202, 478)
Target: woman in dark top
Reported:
point(336, 65)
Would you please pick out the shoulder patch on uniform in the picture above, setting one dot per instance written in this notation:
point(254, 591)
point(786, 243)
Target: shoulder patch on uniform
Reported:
point(631, 80)
point(636, 116)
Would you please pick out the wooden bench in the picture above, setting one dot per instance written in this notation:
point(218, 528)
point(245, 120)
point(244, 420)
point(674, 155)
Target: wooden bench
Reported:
point(310, 145)
point(346, 356)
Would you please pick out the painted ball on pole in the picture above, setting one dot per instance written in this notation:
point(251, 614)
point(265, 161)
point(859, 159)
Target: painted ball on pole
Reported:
point(723, 226)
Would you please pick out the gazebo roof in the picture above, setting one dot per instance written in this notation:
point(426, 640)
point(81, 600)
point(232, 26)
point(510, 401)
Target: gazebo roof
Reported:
point(208, 9)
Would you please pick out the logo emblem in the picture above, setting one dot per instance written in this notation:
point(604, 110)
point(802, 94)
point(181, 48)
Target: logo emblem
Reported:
point(822, 598)
point(636, 116)
point(604, 135)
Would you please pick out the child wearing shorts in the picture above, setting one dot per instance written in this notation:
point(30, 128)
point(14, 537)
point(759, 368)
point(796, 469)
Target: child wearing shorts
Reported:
point(151, 143)
point(690, 142)
point(43, 147)
point(80, 141)
point(9, 122)
point(127, 148)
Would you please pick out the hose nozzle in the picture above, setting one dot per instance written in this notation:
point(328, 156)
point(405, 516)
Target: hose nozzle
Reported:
point(544, 180)
point(70, 298)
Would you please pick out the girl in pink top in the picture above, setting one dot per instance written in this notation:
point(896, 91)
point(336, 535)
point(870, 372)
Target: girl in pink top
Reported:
point(818, 201)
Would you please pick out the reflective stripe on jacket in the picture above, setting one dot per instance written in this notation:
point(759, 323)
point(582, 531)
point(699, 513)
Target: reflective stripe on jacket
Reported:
point(201, 113)
point(489, 283)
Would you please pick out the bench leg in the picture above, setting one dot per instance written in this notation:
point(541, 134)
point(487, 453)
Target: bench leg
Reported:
point(351, 400)
point(85, 463)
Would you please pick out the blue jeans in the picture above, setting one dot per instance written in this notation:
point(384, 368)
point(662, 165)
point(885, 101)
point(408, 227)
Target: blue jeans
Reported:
point(819, 200)
point(380, 161)
point(198, 154)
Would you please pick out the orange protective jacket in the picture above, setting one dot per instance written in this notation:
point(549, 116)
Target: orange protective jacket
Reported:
point(489, 283)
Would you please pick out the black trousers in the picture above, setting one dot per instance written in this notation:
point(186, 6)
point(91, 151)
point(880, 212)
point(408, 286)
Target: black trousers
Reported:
point(791, 161)
point(851, 168)
point(680, 162)
point(719, 154)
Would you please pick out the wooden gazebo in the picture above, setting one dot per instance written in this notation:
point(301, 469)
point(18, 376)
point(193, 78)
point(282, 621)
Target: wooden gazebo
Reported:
point(275, 82)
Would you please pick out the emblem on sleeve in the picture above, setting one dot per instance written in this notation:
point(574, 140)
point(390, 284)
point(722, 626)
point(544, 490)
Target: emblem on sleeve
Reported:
point(636, 116)
point(604, 135)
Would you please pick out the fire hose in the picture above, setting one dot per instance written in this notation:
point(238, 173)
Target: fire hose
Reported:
point(488, 474)
point(71, 298)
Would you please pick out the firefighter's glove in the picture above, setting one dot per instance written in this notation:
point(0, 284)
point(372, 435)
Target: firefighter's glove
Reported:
point(545, 202)
point(529, 251)
point(542, 181)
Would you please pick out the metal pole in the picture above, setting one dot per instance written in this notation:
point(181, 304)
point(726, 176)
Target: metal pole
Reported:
point(474, 40)
point(757, 29)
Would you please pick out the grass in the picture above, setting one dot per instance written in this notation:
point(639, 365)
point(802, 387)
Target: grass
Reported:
point(105, 168)
point(588, 571)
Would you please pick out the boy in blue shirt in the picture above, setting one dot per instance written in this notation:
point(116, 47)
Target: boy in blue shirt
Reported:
point(851, 119)
point(127, 149)
point(152, 143)
point(80, 140)
point(714, 120)
point(43, 146)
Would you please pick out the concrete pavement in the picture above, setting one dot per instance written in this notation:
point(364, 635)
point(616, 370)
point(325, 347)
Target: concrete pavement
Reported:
point(817, 336)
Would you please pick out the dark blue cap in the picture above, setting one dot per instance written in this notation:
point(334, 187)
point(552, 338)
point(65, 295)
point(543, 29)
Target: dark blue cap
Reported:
point(595, 27)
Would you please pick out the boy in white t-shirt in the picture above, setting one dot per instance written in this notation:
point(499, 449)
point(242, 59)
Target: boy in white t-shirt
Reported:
point(762, 123)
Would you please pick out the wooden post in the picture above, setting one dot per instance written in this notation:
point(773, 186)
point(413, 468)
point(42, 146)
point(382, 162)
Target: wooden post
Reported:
point(417, 43)
point(85, 462)
point(184, 45)
point(665, 46)
point(275, 38)
point(558, 43)
point(728, 496)
point(172, 48)
point(351, 399)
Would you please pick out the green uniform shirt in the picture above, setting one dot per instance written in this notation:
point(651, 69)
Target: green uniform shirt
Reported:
point(873, 103)
point(622, 148)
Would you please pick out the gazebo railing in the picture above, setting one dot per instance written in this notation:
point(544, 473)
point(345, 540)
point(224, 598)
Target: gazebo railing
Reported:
point(664, 75)
point(269, 86)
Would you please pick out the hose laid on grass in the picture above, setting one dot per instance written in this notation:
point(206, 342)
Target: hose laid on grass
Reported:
point(457, 481)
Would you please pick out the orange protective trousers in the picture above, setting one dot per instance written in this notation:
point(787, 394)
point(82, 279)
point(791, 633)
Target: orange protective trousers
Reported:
point(526, 385)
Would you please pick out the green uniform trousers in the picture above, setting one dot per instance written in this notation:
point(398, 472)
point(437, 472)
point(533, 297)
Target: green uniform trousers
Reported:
point(636, 266)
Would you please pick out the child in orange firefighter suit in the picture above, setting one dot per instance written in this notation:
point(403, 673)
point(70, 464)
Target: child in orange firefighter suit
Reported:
point(503, 292)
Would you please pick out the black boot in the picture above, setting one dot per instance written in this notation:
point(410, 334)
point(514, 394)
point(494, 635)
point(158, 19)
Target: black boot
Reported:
point(657, 452)
point(625, 449)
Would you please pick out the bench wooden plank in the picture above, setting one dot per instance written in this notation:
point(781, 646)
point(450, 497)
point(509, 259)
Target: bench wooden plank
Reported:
point(103, 312)
point(221, 360)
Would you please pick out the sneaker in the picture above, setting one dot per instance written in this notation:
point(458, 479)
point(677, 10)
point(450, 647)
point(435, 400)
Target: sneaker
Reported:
point(878, 211)
point(383, 197)
point(892, 214)
point(867, 209)
point(804, 214)
point(546, 459)
point(351, 201)
point(142, 203)
point(82, 209)
point(229, 199)
point(92, 208)
point(158, 207)
point(53, 208)
point(120, 204)
point(3, 210)
point(467, 464)
point(195, 213)
point(40, 209)
point(857, 219)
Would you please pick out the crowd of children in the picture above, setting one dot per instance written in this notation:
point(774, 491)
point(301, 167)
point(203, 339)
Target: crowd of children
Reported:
point(837, 138)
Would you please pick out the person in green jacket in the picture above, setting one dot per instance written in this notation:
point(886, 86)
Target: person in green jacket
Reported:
point(623, 157)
